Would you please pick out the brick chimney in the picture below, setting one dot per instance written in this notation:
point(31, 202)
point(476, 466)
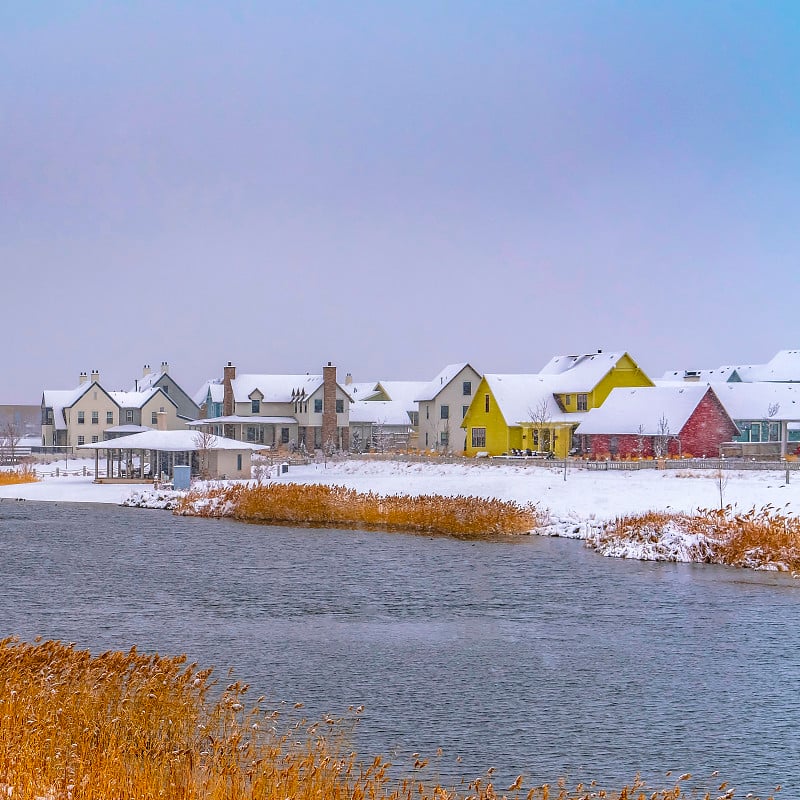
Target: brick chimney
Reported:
point(329, 427)
point(228, 404)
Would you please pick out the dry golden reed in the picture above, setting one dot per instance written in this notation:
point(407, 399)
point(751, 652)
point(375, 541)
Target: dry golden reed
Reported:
point(128, 726)
point(763, 537)
point(23, 474)
point(315, 504)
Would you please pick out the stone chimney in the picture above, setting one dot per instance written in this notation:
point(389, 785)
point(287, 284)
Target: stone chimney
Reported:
point(82, 378)
point(329, 427)
point(161, 420)
point(145, 370)
point(348, 379)
point(228, 404)
point(165, 368)
point(95, 376)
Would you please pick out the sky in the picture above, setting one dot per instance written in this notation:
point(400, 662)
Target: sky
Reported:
point(394, 186)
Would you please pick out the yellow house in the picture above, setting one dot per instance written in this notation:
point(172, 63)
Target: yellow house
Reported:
point(539, 412)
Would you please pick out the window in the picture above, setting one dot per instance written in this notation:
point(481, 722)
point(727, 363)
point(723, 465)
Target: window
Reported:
point(567, 399)
point(426, 439)
point(318, 406)
point(479, 437)
point(94, 440)
point(340, 406)
point(284, 436)
point(466, 388)
point(427, 412)
point(239, 462)
point(464, 410)
point(444, 412)
point(81, 440)
point(81, 419)
point(109, 417)
point(251, 433)
point(583, 402)
point(444, 438)
point(414, 417)
point(129, 415)
point(154, 418)
point(95, 417)
point(486, 403)
point(255, 406)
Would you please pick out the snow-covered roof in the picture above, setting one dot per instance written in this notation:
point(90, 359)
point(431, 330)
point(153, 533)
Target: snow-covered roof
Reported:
point(127, 430)
point(752, 401)
point(235, 419)
point(362, 390)
point(783, 366)
point(645, 410)
point(138, 399)
point(432, 388)
point(522, 397)
point(146, 381)
point(404, 392)
point(379, 412)
point(59, 399)
point(580, 373)
point(168, 441)
point(720, 374)
point(217, 391)
point(274, 388)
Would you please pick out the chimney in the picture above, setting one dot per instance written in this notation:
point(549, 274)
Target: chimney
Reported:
point(95, 376)
point(145, 370)
point(228, 404)
point(82, 378)
point(165, 368)
point(348, 379)
point(161, 420)
point(329, 427)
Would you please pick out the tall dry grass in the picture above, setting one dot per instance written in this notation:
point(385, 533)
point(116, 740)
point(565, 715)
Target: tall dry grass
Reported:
point(755, 538)
point(23, 474)
point(129, 726)
point(313, 504)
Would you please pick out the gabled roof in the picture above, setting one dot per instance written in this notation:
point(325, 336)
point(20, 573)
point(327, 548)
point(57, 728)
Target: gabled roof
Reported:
point(138, 399)
point(581, 373)
point(379, 412)
point(274, 388)
point(403, 392)
point(719, 374)
point(217, 392)
point(521, 397)
point(59, 399)
point(783, 366)
point(642, 409)
point(754, 401)
point(432, 388)
point(362, 390)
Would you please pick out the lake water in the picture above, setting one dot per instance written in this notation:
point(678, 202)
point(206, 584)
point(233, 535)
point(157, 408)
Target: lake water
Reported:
point(533, 656)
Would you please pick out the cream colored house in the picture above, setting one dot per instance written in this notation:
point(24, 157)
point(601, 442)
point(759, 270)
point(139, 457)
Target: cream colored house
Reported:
point(443, 404)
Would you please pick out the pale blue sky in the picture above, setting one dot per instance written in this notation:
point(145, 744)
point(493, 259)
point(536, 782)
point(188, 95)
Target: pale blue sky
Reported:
point(393, 187)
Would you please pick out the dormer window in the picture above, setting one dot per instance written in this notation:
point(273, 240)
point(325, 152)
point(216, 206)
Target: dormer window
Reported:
point(583, 402)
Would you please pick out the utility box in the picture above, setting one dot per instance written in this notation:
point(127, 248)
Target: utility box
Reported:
point(181, 477)
point(284, 468)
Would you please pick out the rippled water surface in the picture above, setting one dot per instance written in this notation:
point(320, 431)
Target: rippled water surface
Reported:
point(534, 656)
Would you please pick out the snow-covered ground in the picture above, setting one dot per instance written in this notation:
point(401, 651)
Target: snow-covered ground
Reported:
point(584, 496)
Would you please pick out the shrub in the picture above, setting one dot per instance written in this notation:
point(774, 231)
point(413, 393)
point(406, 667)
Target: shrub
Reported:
point(23, 474)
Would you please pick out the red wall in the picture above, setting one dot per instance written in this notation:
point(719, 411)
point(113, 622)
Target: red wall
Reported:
point(704, 431)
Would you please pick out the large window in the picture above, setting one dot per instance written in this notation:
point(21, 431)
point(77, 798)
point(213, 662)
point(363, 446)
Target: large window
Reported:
point(444, 412)
point(583, 402)
point(479, 437)
point(466, 387)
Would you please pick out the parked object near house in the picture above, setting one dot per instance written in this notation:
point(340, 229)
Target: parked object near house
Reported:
point(659, 421)
point(442, 405)
point(302, 411)
point(538, 412)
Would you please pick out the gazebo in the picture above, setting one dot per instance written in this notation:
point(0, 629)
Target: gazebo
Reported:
point(159, 452)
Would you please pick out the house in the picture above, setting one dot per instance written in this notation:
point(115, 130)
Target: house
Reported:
point(187, 408)
point(783, 367)
point(304, 411)
point(88, 413)
point(442, 405)
point(538, 412)
point(657, 421)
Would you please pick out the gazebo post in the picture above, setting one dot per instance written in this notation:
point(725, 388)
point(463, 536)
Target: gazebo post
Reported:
point(96, 464)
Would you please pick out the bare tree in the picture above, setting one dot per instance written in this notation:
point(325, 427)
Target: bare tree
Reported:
point(721, 479)
point(662, 437)
point(640, 441)
point(204, 442)
point(10, 435)
point(540, 416)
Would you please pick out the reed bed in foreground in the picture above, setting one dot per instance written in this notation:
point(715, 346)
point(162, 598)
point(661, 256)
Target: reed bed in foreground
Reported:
point(129, 726)
point(758, 538)
point(23, 474)
point(315, 504)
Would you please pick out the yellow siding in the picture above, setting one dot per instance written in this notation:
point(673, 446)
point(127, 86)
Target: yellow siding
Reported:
point(499, 437)
point(626, 372)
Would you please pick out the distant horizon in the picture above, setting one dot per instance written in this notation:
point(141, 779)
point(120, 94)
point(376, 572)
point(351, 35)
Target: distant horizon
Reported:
point(395, 187)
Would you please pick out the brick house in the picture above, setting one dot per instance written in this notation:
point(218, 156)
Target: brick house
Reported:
point(657, 421)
